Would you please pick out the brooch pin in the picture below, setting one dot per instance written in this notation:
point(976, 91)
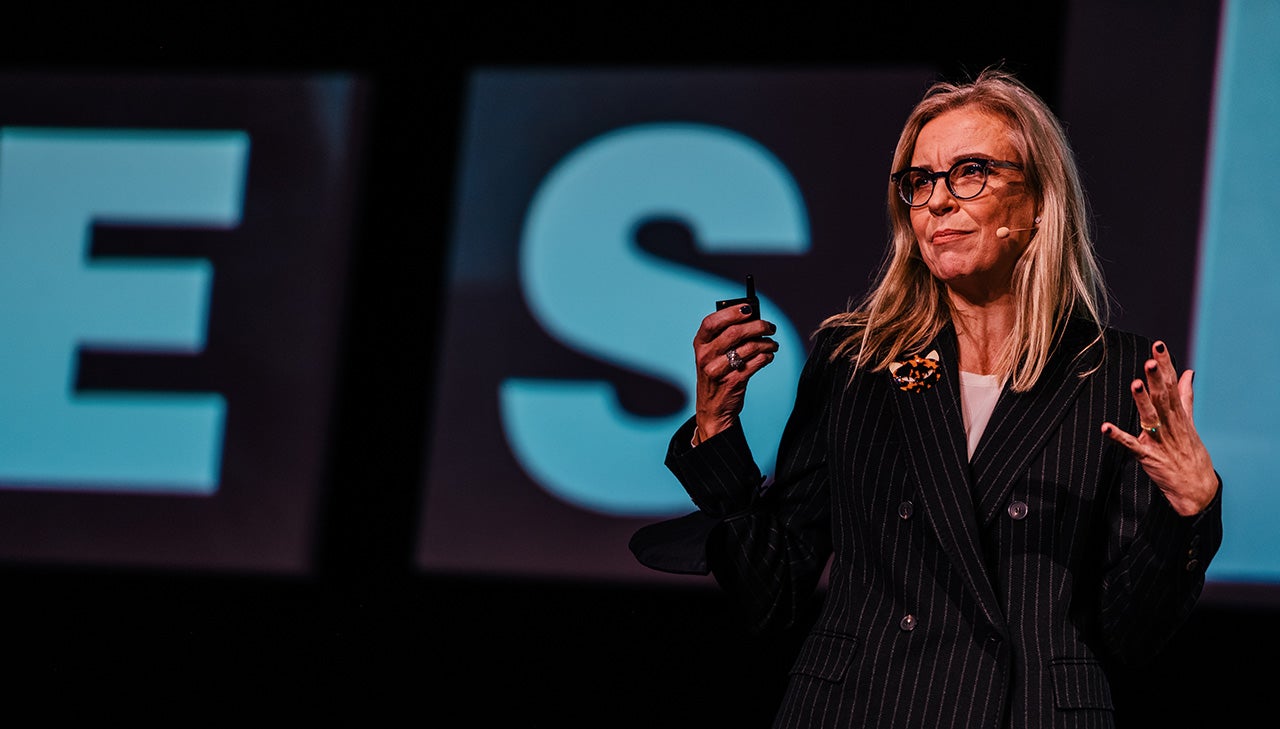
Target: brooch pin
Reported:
point(916, 373)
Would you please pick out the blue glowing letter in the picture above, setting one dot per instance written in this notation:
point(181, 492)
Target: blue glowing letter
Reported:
point(591, 287)
point(53, 185)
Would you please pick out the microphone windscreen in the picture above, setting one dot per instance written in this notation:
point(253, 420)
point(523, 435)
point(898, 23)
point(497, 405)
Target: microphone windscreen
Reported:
point(1002, 232)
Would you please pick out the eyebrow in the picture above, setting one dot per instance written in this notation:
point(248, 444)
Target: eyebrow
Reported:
point(960, 158)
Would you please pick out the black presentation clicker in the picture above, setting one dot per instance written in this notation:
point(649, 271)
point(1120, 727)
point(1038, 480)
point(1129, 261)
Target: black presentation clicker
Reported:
point(750, 298)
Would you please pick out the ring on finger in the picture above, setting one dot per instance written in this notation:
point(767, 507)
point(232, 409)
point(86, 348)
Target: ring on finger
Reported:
point(735, 362)
point(1151, 429)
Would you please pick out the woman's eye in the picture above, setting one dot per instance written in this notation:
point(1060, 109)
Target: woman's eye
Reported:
point(968, 169)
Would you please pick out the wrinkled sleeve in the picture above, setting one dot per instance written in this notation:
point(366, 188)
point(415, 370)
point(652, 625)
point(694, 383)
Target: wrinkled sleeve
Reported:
point(766, 541)
point(1156, 568)
point(1155, 558)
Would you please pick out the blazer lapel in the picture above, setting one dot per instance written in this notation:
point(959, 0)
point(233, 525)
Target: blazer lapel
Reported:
point(936, 448)
point(1022, 422)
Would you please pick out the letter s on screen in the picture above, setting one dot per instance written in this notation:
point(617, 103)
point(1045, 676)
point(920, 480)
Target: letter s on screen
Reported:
point(593, 289)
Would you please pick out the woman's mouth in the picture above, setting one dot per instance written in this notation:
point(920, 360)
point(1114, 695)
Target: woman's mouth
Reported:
point(946, 235)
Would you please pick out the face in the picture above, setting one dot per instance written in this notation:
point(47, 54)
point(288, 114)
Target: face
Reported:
point(958, 238)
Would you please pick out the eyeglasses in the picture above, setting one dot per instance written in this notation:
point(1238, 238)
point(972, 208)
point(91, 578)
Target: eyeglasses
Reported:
point(966, 178)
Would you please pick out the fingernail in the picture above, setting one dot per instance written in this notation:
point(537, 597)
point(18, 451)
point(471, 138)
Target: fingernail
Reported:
point(1139, 387)
point(1160, 347)
point(773, 328)
point(745, 308)
point(1193, 377)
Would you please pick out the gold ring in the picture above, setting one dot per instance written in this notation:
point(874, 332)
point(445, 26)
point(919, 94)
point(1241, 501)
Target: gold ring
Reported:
point(1151, 429)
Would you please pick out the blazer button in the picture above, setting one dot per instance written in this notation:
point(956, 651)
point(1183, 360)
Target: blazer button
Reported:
point(1018, 510)
point(1192, 564)
point(905, 510)
point(908, 623)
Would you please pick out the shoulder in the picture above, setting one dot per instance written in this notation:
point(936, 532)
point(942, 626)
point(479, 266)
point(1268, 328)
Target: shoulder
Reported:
point(835, 346)
point(1125, 351)
point(1127, 342)
point(1094, 349)
point(1124, 338)
point(829, 358)
point(829, 337)
point(1081, 333)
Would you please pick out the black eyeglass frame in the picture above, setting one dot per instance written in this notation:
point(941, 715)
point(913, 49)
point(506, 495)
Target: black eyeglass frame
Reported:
point(932, 177)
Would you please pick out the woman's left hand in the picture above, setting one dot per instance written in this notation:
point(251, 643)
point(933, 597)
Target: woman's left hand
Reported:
point(1168, 447)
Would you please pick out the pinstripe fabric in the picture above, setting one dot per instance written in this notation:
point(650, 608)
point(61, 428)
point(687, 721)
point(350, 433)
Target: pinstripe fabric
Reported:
point(990, 593)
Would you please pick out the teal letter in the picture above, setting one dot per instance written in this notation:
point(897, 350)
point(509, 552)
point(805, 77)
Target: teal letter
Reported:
point(1234, 350)
point(53, 185)
point(593, 289)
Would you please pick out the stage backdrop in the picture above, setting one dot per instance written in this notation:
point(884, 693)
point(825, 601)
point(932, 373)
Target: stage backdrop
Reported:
point(600, 212)
point(172, 267)
point(599, 216)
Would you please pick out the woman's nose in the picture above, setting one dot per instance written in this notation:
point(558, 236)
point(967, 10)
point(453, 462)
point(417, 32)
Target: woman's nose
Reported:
point(941, 201)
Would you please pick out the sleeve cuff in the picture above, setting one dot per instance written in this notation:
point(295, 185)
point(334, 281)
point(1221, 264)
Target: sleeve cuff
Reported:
point(1189, 541)
point(720, 475)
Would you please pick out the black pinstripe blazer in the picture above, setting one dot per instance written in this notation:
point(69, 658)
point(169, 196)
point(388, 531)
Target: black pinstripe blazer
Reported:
point(991, 592)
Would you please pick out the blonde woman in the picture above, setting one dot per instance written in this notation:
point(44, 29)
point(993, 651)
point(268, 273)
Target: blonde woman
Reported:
point(1012, 495)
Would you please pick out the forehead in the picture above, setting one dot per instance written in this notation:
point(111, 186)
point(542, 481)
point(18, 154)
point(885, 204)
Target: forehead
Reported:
point(961, 133)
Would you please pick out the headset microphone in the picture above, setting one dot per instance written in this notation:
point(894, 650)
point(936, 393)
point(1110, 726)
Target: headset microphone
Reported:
point(1003, 231)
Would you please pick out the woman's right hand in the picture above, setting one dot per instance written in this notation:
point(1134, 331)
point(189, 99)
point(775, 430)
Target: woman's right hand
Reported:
point(722, 387)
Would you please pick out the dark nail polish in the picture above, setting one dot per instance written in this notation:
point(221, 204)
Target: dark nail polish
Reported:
point(745, 308)
point(1160, 347)
point(1139, 387)
point(773, 328)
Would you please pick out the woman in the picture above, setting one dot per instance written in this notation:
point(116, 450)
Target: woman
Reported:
point(963, 450)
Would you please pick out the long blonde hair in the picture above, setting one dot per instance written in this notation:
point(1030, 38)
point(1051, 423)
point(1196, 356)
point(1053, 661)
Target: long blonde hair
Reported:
point(1056, 278)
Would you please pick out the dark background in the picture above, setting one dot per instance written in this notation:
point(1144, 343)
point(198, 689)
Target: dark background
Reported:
point(366, 636)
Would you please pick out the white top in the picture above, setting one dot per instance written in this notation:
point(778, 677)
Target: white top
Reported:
point(978, 395)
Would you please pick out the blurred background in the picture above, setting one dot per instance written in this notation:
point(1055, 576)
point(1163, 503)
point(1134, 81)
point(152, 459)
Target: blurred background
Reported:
point(347, 371)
